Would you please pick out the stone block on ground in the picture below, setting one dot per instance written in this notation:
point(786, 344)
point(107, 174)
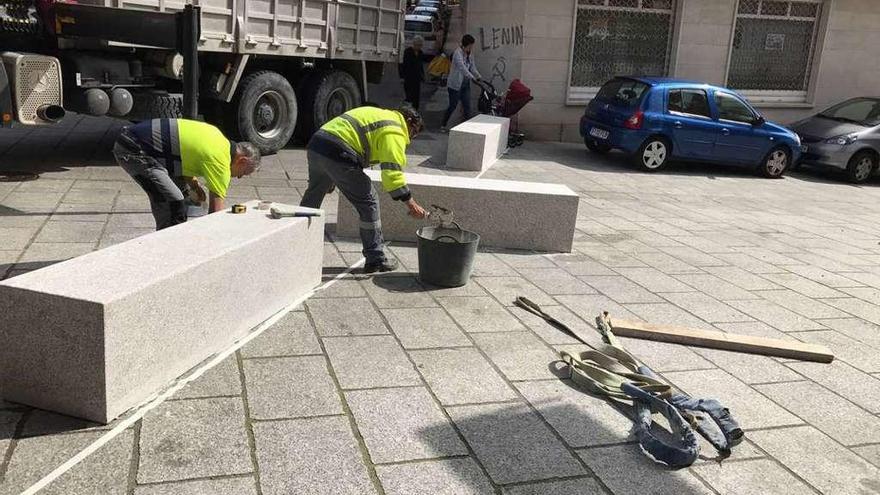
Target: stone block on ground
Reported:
point(94, 350)
point(477, 143)
point(506, 214)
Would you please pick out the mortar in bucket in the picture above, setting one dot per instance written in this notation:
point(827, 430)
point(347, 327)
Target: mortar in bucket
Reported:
point(446, 251)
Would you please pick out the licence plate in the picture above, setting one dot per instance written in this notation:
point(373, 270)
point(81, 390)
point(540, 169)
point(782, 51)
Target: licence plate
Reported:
point(804, 149)
point(599, 133)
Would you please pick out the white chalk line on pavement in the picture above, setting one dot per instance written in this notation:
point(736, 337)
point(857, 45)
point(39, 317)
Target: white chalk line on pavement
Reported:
point(152, 403)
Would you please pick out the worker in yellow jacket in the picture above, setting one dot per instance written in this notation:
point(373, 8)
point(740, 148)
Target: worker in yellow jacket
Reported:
point(360, 138)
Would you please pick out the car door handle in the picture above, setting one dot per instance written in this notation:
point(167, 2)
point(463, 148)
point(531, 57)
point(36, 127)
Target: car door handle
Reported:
point(725, 131)
point(677, 124)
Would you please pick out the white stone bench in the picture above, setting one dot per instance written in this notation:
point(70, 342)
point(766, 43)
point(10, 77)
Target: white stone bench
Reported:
point(477, 143)
point(506, 214)
point(96, 335)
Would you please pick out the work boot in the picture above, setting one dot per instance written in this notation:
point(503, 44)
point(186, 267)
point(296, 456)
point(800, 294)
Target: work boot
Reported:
point(381, 267)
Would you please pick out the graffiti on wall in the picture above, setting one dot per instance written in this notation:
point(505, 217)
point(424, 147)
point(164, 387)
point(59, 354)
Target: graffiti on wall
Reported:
point(499, 70)
point(493, 38)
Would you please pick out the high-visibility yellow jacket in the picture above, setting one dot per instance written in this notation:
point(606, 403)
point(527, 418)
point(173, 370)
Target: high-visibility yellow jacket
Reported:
point(379, 137)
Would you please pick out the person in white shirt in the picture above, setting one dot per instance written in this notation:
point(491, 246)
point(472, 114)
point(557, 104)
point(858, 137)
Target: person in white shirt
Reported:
point(462, 72)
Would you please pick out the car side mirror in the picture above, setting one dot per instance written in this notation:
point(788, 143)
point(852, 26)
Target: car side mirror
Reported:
point(759, 121)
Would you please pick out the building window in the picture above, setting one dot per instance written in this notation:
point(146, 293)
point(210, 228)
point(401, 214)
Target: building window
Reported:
point(774, 43)
point(619, 38)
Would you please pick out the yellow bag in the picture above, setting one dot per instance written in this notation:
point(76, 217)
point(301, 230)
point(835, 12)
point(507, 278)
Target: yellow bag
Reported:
point(439, 66)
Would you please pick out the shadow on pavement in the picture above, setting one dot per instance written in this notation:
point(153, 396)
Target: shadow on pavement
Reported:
point(516, 445)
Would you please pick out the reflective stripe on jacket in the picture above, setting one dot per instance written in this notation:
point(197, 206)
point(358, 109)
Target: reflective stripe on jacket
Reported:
point(379, 137)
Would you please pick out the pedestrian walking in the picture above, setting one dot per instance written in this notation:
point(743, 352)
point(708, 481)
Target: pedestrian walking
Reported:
point(458, 85)
point(412, 72)
point(165, 157)
point(337, 154)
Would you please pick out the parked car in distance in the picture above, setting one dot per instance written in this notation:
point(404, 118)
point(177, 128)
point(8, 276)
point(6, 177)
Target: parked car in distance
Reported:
point(428, 12)
point(845, 136)
point(658, 119)
point(428, 28)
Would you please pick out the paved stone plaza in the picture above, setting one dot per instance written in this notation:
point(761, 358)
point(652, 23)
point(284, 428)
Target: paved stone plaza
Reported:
point(382, 385)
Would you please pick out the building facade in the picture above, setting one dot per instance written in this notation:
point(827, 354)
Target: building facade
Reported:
point(791, 58)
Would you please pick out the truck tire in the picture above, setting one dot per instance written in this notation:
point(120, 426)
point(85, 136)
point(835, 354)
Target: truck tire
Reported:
point(329, 94)
point(155, 105)
point(264, 111)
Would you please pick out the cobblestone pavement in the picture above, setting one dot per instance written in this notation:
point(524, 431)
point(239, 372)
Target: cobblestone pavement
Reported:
point(382, 385)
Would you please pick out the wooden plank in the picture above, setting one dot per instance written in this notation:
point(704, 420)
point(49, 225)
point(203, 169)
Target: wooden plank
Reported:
point(722, 340)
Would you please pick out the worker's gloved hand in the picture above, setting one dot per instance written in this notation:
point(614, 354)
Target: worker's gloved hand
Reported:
point(416, 210)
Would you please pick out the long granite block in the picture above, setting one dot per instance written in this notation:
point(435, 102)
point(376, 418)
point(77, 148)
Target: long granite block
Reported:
point(506, 214)
point(477, 143)
point(96, 335)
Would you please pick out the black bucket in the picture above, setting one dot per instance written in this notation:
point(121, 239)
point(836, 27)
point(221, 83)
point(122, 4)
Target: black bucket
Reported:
point(446, 255)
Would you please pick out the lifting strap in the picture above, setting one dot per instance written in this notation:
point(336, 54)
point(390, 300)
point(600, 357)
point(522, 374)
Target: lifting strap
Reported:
point(614, 373)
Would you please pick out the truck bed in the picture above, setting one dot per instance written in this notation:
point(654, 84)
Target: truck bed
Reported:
point(336, 29)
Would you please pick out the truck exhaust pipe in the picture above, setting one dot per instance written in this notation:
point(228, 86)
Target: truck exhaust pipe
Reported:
point(51, 113)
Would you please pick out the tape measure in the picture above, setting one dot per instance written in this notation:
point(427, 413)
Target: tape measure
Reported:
point(238, 209)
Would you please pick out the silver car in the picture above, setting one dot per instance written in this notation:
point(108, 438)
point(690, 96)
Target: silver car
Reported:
point(846, 136)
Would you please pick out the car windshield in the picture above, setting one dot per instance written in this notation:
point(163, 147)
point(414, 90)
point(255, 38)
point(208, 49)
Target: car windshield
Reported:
point(622, 92)
point(861, 111)
point(417, 26)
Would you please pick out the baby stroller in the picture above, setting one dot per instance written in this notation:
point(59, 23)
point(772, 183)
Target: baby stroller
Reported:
point(506, 104)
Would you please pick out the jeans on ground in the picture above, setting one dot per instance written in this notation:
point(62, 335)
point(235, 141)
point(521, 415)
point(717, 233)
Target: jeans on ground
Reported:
point(462, 95)
point(357, 187)
point(166, 193)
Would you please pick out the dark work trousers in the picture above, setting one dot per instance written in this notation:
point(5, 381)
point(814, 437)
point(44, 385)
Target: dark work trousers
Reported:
point(463, 95)
point(413, 91)
point(357, 187)
point(166, 193)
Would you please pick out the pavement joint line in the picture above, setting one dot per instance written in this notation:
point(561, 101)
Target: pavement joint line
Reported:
point(249, 425)
point(280, 356)
point(13, 443)
point(154, 402)
point(199, 478)
point(296, 418)
point(423, 460)
point(427, 387)
point(548, 480)
point(184, 399)
point(135, 458)
point(352, 424)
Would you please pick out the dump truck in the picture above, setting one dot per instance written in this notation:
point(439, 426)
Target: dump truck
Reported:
point(262, 70)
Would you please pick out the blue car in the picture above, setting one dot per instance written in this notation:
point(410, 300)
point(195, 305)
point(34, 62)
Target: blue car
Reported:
point(658, 119)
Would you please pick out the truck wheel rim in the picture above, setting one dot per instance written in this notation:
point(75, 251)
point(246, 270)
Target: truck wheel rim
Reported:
point(776, 163)
point(863, 169)
point(338, 103)
point(654, 155)
point(270, 114)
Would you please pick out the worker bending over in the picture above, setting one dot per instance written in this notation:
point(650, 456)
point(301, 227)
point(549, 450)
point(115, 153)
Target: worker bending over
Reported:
point(165, 156)
point(342, 148)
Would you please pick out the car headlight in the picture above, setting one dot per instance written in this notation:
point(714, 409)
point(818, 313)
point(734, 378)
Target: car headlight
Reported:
point(843, 140)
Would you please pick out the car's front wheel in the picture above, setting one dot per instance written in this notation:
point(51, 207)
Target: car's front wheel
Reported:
point(654, 154)
point(861, 166)
point(775, 163)
point(597, 147)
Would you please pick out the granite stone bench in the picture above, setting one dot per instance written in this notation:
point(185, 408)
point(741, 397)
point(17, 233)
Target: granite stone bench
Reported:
point(506, 214)
point(478, 143)
point(97, 335)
